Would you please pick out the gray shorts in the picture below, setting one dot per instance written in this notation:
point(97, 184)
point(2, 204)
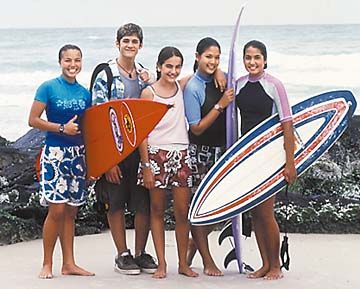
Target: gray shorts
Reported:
point(127, 195)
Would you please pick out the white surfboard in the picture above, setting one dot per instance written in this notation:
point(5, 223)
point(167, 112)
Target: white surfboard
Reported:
point(251, 170)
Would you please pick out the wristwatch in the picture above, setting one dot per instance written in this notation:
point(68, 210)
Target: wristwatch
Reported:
point(219, 108)
point(145, 165)
point(61, 128)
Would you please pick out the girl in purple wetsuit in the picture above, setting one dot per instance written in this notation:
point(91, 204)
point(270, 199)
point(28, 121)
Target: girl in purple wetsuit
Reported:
point(258, 96)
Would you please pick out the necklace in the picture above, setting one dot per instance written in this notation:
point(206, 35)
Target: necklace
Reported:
point(128, 72)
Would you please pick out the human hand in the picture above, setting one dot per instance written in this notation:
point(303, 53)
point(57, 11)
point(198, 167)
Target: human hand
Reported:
point(144, 75)
point(220, 79)
point(290, 173)
point(93, 179)
point(227, 98)
point(149, 179)
point(114, 175)
point(71, 127)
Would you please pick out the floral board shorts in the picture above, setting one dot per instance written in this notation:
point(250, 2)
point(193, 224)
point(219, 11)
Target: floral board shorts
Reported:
point(63, 175)
point(170, 168)
point(202, 159)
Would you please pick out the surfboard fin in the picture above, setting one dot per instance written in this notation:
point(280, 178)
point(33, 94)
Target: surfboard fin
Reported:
point(231, 256)
point(226, 232)
point(248, 268)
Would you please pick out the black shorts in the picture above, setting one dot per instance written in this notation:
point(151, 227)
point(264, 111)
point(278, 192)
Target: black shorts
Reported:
point(126, 195)
point(203, 157)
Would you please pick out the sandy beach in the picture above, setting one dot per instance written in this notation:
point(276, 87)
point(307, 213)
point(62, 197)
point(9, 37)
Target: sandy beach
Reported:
point(317, 261)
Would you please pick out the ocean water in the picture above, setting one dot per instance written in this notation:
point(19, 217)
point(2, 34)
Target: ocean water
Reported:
point(309, 59)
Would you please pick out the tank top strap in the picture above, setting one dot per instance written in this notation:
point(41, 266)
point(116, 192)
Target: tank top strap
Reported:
point(178, 85)
point(152, 90)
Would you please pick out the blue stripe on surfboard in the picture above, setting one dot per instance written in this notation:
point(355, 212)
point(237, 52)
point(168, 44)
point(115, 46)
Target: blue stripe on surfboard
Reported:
point(331, 139)
point(272, 121)
point(277, 187)
point(262, 129)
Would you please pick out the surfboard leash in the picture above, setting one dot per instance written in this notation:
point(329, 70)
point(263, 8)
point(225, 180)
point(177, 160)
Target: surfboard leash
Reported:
point(284, 250)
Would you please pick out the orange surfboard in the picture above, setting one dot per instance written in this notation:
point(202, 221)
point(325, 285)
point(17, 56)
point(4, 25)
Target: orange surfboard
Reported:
point(114, 129)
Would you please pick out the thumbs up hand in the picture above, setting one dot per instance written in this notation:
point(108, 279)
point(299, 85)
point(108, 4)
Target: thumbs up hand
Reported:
point(71, 127)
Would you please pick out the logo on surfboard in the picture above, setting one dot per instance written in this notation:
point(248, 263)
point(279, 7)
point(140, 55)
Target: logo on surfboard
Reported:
point(115, 127)
point(128, 123)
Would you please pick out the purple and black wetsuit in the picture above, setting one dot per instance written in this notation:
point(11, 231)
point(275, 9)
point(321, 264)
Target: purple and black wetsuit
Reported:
point(260, 97)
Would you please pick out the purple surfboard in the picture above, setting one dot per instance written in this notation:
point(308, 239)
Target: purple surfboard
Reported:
point(232, 136)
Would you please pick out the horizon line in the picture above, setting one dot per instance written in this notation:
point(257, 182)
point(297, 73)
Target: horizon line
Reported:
point(175, 26)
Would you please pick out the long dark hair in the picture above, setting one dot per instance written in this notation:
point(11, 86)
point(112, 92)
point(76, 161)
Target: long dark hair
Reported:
point(67, 47)
point(166, 53)
point(202, 46)
point(259, 45)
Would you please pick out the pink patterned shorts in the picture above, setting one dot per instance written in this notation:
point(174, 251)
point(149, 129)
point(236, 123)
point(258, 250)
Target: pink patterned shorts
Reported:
point(170, 168)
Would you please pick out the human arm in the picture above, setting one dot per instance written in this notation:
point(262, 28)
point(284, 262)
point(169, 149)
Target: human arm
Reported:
point(184, 80)
point(145, 74)
point(220, 79)
point(147, 94)
point(284, 110)
point(35, 120)
point(290, 173)
point(213, 114)
point(99, 91)
point(114, 175)
point(148, 175)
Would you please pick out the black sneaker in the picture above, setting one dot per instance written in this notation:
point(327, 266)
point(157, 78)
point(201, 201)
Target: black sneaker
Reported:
point(125, 264)
point(146, 263)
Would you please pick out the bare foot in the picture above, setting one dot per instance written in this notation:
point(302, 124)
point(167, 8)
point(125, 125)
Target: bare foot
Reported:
point(274, 274)
point(160, 273)
point(192, 248)
point(187, 271)
point(46, 272)
point(212, 270)
point(258, 274)
point(75, 270)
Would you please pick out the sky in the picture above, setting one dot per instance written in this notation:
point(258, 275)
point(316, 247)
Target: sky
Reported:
point(112, 13)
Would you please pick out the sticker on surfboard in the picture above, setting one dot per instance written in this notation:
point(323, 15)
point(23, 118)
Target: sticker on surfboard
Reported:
point(115, 127)
point(129, 124)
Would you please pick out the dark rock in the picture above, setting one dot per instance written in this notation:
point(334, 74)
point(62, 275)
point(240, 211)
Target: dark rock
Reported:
point(14, 229)
point(326, 199)
point(3, 142)
point(21, 216)
point(31, 142)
